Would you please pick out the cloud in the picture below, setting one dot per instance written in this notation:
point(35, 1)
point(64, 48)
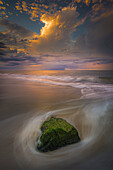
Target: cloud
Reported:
point(98, 39)
point(87, 2)
point(2, 47)
point(18, 7)
point(15, 37)
point(101, 10)
point(55, 35)
point(1, 2)
point(19, 60)
point(24, 5)
point(36, 9)
point(16, 29)
point(92, 29)
point(3, 10)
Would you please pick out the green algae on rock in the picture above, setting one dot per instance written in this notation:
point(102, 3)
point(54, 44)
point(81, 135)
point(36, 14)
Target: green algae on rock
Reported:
point(56, 133)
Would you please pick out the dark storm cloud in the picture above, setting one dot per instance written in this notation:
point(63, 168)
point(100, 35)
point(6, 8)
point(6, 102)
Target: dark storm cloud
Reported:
point(15, 28)
point(107, 61)
point(1, 52)
point(13, 38)
point(19, 59)
point(2, 47)
point(100, 36)
point(99, 60)
point(13, 64)
point(98, 39)
point(6, 59)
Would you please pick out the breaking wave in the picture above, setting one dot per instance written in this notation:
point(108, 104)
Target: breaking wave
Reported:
point(91, 86)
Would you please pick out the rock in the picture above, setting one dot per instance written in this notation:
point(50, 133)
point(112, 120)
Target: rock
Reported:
point(56, 133)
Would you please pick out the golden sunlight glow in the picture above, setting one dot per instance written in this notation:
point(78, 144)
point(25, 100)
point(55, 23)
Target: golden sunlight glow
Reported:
point(12, 48)
point(46, 27)
point(21, 50)
point(1, 2)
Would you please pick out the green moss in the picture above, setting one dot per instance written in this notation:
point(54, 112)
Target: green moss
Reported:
point(56, 133)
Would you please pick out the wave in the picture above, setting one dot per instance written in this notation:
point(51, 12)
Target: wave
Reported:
point(91, 86)
point(63, 78)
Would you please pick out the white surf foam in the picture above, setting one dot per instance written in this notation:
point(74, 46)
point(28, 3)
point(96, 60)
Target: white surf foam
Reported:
point(90, 86)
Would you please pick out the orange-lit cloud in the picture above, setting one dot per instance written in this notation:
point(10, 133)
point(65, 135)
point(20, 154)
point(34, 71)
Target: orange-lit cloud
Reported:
point(3, 13)
point(1, 2)
point(18, 7)
point(1, 7)
point(87, 2)
point(24, 6)
point(15, 37)
point(35, 10)
point(55, 35)
point(100, 11)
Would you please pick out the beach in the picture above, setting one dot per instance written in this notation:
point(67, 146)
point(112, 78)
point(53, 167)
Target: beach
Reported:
point(83, 98)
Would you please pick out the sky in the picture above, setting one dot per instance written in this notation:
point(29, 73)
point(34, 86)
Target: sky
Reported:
point(56, 34)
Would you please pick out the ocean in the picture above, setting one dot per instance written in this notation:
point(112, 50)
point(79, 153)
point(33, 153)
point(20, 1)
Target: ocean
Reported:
point(82, 97)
